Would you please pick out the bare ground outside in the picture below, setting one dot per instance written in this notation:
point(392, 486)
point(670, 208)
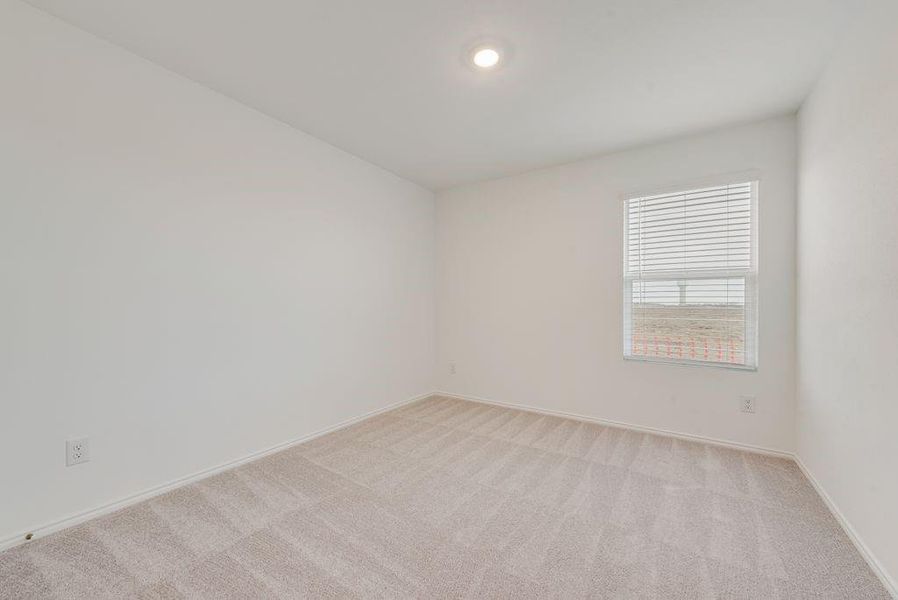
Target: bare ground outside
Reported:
point(707, 332)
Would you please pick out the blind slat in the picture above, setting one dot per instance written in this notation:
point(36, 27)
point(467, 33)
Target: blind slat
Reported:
point(712, 191)
point(718, 215)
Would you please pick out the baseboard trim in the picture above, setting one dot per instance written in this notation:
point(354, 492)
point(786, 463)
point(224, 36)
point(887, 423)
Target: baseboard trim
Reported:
point(81, 517)
point(43, 530)
point(875, 566)
point(622, 425)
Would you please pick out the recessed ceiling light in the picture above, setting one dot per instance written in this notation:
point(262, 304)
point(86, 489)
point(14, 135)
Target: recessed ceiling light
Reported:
point(486, 58)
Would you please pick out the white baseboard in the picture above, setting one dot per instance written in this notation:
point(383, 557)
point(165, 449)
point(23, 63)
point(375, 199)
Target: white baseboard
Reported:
point(868, 556)
point(81, 517)
point(875, 566)
point(630, 426)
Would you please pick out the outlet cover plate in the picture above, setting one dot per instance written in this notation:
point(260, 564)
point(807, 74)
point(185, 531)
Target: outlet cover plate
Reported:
point(77, 451)
point(747, 404)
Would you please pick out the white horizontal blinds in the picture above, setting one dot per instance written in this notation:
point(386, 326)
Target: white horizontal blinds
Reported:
point(689, 275)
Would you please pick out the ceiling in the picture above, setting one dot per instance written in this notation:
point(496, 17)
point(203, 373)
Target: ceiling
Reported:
point(387, 79)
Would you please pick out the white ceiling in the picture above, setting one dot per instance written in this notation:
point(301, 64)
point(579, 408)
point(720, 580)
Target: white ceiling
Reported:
point(386, 79)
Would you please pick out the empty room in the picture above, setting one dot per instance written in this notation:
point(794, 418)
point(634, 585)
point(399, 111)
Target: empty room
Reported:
point(448, 299)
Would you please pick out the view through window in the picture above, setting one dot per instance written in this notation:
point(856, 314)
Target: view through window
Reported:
point(690, 276)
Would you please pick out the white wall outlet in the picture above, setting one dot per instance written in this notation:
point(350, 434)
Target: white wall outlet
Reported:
point(77, 451)
point(452, 368)
point(747, 404)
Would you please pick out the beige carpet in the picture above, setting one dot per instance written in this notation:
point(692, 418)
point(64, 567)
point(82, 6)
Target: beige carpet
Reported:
point(451, 499)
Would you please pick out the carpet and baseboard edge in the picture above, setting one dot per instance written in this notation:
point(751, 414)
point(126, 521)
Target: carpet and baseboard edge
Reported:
point(887, 581)
point(621, 425)
point(846, 526)
point(75, 519)
point(81, 517)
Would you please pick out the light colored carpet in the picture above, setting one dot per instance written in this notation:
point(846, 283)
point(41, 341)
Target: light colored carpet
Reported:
point(450, 499)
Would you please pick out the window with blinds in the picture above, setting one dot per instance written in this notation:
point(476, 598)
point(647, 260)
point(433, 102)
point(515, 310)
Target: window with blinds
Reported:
point(690, 276)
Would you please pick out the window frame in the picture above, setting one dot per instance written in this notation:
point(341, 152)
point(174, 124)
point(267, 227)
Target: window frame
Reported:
point(751, 313)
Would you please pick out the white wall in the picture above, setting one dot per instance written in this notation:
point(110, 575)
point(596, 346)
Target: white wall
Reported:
point(848, 283)
point(183, 279)
point(529, 291)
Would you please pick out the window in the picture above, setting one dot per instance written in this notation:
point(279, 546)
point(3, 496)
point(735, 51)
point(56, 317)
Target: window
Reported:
point(690, 276)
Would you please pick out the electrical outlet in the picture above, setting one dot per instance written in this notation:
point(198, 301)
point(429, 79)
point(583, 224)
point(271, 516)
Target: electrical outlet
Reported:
point(747, 404)
point(452, 368)
point(77, 451)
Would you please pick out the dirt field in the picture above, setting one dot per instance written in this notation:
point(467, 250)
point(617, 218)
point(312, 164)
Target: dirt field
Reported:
point(701, 332)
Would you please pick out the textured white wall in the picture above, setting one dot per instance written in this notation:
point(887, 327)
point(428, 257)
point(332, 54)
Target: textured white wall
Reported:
point(181, 278)
point(529, 290)
point(848, 283)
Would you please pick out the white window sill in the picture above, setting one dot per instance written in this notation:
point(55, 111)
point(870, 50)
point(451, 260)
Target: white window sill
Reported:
point(692, 363)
